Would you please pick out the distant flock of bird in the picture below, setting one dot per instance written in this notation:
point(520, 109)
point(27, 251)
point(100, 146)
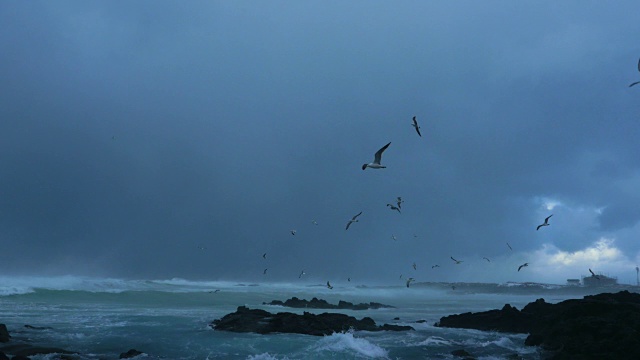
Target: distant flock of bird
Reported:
point(377, 164)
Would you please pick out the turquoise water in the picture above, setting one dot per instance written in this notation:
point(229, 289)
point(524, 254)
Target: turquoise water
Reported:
point(169, 319)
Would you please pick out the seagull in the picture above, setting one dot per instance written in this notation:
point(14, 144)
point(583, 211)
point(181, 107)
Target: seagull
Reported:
point(594, 275)
point(394, 238)
point(301, 273)
point(214, 291)
point(264, 256)
point(394, 208)
point(400, 276)
point(486, 259)
point(546, 222)
point(415, 125)
point(329, 285)
point(376, 161)
point(457, 261)
point(414, 266)
point(435, 266)
point(353, 219)
point(399, 201)
point(264, 272)
point(523, 265)
point(409, 280)
point(293, 232)
point(202, 247)
point(509, 247)
point(314, 222)
point(349, 279)
point(637, 82)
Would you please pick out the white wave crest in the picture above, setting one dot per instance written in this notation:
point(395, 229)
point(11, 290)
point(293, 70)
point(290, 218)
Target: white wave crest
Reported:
point(346, 342)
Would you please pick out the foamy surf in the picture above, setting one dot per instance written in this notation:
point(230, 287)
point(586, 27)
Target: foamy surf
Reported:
point(348, 344)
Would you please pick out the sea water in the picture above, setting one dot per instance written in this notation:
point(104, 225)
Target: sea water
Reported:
point(169, 319)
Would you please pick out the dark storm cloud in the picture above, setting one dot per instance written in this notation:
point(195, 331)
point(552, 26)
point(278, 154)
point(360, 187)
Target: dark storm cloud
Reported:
point(133, 133)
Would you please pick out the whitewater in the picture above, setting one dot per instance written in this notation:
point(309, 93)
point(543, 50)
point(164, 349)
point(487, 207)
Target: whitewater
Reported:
point(169, 319)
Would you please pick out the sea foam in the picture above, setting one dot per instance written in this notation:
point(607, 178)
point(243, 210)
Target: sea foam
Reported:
point(346, 342)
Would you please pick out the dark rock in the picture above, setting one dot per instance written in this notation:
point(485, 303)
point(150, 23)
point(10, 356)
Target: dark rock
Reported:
point(129, 354)
point(36, 350)
point(462, 353)
point(3, 356)
point(263, 322)
point(4, 333)
point(396, 318)
point(38, 327)
point(316, 303)
point(20, 357)
point(420, 321)
point(604, 326)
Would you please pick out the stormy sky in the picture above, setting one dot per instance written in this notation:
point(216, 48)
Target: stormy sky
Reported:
point(161, 139)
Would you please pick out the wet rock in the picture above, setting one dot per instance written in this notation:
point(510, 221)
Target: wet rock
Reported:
point(604, 326)
point(263, 322)
point(316, 303)
point(129, 354)
point(4, 333)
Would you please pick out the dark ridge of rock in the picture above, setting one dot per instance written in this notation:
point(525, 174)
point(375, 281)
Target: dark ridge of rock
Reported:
point(316, 303)
point(4, 334)
point(129, 354)
point(3, 356)
point(38, 327)
point(603, 326)
point(263, 322)
point(463, 354)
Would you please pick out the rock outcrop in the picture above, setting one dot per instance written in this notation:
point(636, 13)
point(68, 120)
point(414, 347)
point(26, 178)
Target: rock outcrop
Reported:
point(604, 326)
point(264, 322)
point(316, 303)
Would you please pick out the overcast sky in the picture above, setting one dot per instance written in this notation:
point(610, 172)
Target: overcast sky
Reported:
point(161, 139)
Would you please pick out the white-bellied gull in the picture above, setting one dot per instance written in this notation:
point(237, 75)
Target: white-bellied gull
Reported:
point(594, 274)
point(414, 266)
point(457, 261)
point(265, 272)
point(509, 247)
point(376, 160)
point(264, 256)
point(301, 273)
point(546, 222)
point(486, 258)
point(329, 285)
point(435, 266)
point(399, 202)
point(415, 125)
point(353, 219)
point(293, 232)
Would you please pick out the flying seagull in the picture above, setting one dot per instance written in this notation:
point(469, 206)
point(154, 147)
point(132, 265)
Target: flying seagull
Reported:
point(594, 275)
point(394, 208)
point(457, 261)
point(301, 273)
point(349, 279)
point(264, 272)
point(509, 247)
point(353, 219)
point(293, 232)
point(394, 238)
point(637, 82)
point(546, 222)
point(399, 201)
point(414, 266)
point(329, 285)
point(314, 222)
point(214, 291)
point(523, 265)
point(415, 125)
point(435, 266)
point(486, 259)
point(376, 161)
point(409, 280)
point(264, 256)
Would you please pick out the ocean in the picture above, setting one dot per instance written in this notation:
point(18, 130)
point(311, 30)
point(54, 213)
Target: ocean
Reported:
point(169, 319)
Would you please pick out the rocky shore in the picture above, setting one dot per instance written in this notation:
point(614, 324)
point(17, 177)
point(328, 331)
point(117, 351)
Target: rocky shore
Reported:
point(20, 349)
point(316, 303)
point(603, 326)
point(264, 322)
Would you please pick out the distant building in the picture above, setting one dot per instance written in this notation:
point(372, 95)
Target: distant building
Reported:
point(573, 282)
point(599, 280)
